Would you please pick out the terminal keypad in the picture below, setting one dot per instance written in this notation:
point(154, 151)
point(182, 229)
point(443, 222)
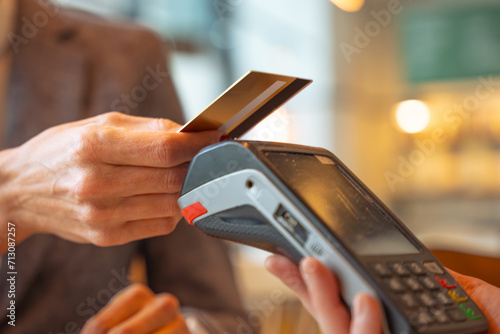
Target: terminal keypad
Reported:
point(425, 292)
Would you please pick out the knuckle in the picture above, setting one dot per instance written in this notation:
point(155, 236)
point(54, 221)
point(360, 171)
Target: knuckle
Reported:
point(87, 142)
point(101, 238)
point(139, 291)
point(100, 225)
point(166, 303)
point(95, 209)
point(169, 205)
point(293, 281)
point(172, 180)
point(96, 238)
point(85, 185)
point(111, 117)
point(90, 214)
point(158, 150)
point(165, 150)
point(161, 124)
point(168, 226)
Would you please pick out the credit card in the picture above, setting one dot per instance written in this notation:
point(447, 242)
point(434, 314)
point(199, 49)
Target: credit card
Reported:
point(245, 103)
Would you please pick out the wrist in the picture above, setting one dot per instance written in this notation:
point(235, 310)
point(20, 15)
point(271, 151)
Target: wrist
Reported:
point(6, 190)
point(9, 200)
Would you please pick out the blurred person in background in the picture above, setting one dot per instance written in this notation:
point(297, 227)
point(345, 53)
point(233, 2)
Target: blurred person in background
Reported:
point(74, 177)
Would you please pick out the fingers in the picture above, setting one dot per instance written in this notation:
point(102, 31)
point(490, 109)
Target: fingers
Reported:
point(160, 313)
point(470, 284)
point(125, 181)
point(109, 212)
point(112, 221)
point(289, 274)
point(120, 146)
point(317, 288)
point(485, 295)
point(147, 207)
point(148, 228)
point(473, 286)
point(323, 292)
point(366, 317)
point(137, 310)
point(134, 230)
point(122, 306)
point(133, 122)
point(101, 182)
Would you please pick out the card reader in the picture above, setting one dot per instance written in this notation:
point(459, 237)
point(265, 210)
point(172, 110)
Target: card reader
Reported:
point(302, 201)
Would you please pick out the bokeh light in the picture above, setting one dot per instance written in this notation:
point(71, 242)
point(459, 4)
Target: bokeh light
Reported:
point(412, 116)
point(349, 5)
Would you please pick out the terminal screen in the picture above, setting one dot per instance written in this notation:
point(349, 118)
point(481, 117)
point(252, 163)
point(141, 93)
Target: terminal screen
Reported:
point(348, 212)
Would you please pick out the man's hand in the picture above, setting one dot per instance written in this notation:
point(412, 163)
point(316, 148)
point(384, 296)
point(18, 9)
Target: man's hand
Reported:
point(137, 310)
point(106, 180)
point(318, 290)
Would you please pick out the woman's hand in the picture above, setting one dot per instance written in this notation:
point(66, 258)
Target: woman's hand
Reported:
point(317, 288)
point(137, 310)
point(106, 180)
point(486, 296)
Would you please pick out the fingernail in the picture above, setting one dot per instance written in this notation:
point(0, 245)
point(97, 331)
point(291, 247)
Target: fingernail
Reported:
point(360, 307)
point(308, 266)
point(224, 138)
point(267, 262)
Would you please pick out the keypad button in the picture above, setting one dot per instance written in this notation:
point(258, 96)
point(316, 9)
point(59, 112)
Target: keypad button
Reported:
point(416, 268)
point(399, 269)
point(443, 298)
point(409, 300)
point(430, 283)
point(440, 316)
point(427, 299)
point(433, 267)
point(421, 318)
point(381, 269)
point(470, 310)
point(445, 282)
point(457, 315)
point(413, 284)
point(396, 285)
point(458, 295)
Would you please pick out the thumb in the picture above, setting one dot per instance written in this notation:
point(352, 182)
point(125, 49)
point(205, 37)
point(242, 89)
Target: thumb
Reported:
point(366, 315)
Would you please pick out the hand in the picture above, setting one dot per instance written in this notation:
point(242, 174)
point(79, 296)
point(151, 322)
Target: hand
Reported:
point(317, 288)
point(485, 295)
point(137, 310)
point(106, 180)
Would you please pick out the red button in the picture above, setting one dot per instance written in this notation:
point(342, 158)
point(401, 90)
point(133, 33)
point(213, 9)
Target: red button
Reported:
point(444, 283)
point(193, 211)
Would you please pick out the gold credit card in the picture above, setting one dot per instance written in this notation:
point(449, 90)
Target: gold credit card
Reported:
point(245, 103)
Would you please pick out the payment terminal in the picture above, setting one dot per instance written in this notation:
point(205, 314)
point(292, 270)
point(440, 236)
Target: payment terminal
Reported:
point(302, 201)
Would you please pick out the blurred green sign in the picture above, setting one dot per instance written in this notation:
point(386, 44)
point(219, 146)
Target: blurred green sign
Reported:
point(451, 40)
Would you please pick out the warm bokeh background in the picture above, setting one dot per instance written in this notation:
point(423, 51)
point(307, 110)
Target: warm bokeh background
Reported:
point(437, 165)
